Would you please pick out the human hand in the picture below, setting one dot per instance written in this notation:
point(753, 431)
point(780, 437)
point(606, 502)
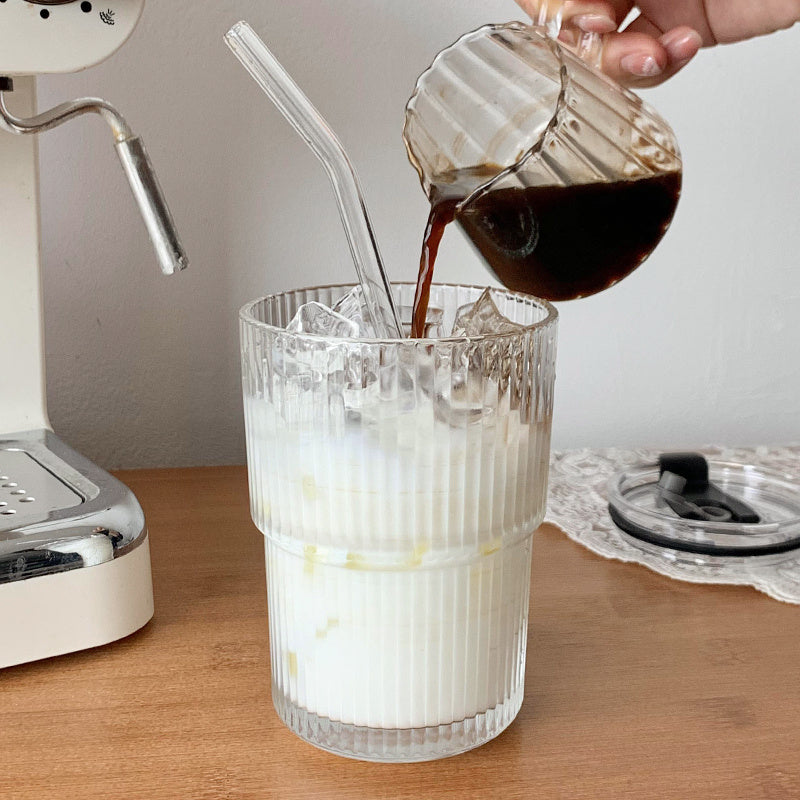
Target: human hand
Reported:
point(667, 34)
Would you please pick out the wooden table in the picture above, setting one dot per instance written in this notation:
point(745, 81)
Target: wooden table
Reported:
point(636, 686)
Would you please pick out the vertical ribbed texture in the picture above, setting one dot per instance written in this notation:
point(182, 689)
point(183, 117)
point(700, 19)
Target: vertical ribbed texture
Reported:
point(398, 485)
point(507, 93)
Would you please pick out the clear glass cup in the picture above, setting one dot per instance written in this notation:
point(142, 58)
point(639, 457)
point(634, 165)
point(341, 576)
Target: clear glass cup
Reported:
point(398, 484)
point(565, 180)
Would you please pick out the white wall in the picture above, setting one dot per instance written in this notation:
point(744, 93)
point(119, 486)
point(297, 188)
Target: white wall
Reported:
point(699, 345)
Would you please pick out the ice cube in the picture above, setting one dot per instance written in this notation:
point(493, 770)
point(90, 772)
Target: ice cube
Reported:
point(318, 319)
point(481, 317)
point(296, 376)
point(479, 372)
point(459, 393)
point(352, 307)
point(304, 375)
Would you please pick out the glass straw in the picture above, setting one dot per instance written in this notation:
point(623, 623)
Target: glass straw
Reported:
point(307, 121)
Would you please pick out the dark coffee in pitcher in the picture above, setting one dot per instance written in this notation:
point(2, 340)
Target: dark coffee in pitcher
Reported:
point(554, 242)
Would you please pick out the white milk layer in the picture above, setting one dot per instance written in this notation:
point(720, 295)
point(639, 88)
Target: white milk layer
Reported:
point(398, 649)
point(398, 562)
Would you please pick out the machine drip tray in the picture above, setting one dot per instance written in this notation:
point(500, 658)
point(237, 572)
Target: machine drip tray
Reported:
point(29, 492)
point(58, 510)
point(74, 554)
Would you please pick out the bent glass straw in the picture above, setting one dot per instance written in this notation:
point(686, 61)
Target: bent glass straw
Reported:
point(307, 121)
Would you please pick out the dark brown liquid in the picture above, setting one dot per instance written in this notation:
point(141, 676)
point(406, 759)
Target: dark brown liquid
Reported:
point(442, 214)
point(554, 242)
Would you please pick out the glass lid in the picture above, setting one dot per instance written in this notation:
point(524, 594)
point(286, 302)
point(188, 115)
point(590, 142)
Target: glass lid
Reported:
point(715, 508)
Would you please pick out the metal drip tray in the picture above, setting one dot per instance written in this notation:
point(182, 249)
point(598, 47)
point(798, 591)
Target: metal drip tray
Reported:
point(58, 510)
point(29, 492)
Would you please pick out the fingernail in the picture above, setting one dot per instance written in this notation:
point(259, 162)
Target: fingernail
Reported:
point(641, 65)
point(595, 23)
point(681, 45)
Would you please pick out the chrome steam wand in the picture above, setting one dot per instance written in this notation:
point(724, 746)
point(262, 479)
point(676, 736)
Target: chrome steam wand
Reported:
point(133, 157)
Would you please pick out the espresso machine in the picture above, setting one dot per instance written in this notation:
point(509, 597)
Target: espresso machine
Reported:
point(74, 554)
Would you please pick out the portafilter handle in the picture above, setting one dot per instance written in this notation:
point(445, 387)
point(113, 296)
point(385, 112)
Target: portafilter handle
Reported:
point(133, 157)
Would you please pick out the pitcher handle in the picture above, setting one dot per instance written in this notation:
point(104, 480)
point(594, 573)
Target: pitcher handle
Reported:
point(588, 47)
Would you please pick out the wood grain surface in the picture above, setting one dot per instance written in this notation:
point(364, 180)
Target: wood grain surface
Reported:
point(636, 686)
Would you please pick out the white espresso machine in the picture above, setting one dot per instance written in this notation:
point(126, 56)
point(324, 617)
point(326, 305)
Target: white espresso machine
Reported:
point(74, 555)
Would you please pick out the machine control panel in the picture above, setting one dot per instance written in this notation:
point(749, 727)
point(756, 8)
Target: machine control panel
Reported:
point(47, 36)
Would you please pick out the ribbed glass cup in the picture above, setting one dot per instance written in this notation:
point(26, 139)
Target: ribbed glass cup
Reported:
point(398, 484)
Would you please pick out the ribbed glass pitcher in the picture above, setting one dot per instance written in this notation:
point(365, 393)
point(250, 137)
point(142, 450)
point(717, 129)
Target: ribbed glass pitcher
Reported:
point(563, 180)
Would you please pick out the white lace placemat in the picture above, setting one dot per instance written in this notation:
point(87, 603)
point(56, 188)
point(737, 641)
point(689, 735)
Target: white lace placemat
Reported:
point(577, 505)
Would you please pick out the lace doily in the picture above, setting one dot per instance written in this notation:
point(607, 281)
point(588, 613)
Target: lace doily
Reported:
point(577, 505)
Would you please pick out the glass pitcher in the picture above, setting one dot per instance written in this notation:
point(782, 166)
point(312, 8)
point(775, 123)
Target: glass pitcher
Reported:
point(563, 180)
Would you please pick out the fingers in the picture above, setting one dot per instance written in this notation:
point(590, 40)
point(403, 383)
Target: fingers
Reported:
point(642, 55)
point(639, 60)
point(596, 16)
point(682, 44)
